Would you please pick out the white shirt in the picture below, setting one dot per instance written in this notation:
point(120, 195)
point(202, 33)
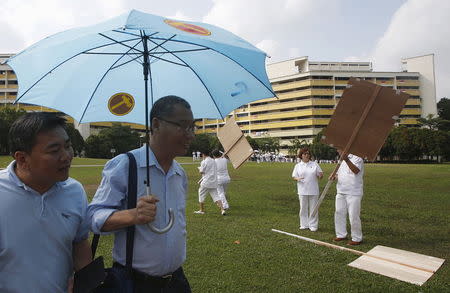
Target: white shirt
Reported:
point(222, 170)
point(309, 172)
point(349, 182)
point(208, 169)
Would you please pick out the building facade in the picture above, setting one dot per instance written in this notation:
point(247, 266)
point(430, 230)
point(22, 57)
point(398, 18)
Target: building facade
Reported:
point(308, 92)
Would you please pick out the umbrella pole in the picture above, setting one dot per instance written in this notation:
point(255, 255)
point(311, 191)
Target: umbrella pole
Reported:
point(147, 73)
point(146, 66)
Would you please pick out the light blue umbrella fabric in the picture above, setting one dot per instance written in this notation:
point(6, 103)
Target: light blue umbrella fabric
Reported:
point(77, 71)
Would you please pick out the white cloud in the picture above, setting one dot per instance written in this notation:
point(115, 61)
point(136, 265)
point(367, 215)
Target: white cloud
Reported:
point(277, 27)
point(271, 47)
point(418, 28)
point(33, 20)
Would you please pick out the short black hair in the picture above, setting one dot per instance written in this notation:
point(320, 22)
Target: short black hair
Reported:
point(216, 153)
point(163, 107)
point(24, 131)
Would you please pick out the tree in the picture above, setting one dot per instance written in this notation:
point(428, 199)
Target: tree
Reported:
point(295, 145)
point(7, 116)
point(444, 113)
point(253, 142)
point(387, 151)
point(430, 121)
point(202, 142)
point(269, 144)
point(444, 108)
point(76, 139)
point(97, 147)
point(322, 151)
point(118, 137)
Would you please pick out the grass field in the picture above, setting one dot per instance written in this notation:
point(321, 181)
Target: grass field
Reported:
point(404, 206)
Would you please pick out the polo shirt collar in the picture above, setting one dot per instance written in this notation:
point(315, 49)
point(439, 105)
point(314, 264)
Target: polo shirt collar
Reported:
point(16, 180)
point(174, 168)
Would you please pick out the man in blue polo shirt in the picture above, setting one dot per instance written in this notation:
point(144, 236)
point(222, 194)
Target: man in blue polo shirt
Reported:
point(43, 227)
point(157, 258)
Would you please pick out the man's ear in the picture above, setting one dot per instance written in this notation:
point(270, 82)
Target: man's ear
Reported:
point(155, 124)
point(21, 158)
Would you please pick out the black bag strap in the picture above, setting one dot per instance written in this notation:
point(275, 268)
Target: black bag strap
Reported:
point(131, 204)
point(132, 198)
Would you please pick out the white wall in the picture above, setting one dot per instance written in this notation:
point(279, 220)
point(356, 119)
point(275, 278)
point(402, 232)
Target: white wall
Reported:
point(425, 66)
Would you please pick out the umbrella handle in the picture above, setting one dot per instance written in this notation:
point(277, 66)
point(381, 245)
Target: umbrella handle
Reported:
point(165, 229)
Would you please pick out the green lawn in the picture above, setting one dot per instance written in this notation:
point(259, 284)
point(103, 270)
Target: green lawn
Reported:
point(404, 206)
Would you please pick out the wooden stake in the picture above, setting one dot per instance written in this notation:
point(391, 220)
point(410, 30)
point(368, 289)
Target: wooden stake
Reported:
point(351, 250)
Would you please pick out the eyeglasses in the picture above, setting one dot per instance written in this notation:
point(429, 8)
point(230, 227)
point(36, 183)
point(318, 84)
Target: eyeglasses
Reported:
point(184, 127)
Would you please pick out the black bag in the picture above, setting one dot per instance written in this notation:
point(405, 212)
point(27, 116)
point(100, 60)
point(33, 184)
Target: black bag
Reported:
point(94, 277)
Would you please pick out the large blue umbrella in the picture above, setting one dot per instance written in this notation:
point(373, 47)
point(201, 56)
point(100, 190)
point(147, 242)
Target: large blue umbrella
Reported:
point(112, 71)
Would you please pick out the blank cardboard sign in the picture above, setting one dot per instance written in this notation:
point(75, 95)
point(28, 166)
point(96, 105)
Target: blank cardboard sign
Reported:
point(234, 143)
point(382, 106)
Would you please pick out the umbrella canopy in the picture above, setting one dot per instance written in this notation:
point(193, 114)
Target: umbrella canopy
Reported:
point(111, 71)
point(97, 73)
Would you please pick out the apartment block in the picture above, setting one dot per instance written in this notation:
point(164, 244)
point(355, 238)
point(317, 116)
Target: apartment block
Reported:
point(308, 92)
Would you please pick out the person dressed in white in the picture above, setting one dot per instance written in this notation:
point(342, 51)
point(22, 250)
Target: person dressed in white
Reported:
point(348, 198)
point(223, 178)
point(306, 173)
point(208, 183)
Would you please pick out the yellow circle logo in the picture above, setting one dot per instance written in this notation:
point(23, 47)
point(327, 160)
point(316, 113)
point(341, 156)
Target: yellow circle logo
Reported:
point(121, 104)
point(187, 27)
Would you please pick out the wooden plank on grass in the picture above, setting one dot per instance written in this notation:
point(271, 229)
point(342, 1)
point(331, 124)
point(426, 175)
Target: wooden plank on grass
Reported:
point(418, 269)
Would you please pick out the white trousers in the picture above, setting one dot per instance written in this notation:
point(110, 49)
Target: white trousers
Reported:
point(222, 191)
point(351, 204)
point(203, 192)
point(307, 204)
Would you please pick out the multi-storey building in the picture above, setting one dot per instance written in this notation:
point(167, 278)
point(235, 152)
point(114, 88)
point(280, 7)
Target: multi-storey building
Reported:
point(308, 92)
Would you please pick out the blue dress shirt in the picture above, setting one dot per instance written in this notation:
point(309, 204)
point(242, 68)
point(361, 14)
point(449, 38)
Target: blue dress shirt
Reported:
point(154, 254)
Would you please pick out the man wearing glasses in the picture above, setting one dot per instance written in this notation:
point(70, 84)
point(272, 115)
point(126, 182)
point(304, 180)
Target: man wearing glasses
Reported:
point(155, 255)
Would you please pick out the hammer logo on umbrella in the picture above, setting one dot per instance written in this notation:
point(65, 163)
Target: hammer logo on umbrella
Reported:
point(121, 104)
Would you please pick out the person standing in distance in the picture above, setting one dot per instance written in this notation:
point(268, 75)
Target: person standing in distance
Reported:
point(306, 173)
point(223, 178)
point(43, 225)
point(157, 258)
point(208, 183)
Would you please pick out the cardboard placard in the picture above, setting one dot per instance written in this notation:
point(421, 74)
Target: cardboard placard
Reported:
point(381, 116)
point(234, 143)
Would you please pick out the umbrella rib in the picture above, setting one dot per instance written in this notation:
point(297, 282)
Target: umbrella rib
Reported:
point(58, 65)
point(121, 43)
point(117, 66)
point(199, 78)
point(158, 45)
point(127, 33)
point(103, 77)
point(98, 53)
point(185, 42)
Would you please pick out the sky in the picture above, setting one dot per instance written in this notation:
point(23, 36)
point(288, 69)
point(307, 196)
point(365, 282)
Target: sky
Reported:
point(382, 31)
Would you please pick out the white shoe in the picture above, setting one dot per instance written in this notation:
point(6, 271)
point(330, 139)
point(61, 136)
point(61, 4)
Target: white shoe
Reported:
point(199, 212)
point(303, 228)
point(223, 212)
point(313, 229)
